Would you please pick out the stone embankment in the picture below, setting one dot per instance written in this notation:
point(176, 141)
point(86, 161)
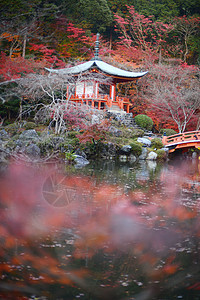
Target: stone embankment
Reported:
point(126, 143)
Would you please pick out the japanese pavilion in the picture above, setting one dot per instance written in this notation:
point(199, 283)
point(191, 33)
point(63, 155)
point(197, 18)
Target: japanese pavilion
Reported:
point(95, 94)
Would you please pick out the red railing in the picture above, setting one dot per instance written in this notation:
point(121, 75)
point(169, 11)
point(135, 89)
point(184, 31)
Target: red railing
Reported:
point(181, 138)
point(120, 101)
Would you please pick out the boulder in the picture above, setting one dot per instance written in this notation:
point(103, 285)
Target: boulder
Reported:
point(95, 119)
point(126, 149)
point(115, 131)
point(152, 155)
point(33, 151)
point(4, 155)
point(79, 152)
point(20, 143)
point(144, 141)
point(4, 135)
point(144, 154)
point(29, 135)
point(80, 161)
point(109, 151)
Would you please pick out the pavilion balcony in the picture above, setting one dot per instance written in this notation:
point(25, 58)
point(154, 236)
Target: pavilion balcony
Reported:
point(103, 102)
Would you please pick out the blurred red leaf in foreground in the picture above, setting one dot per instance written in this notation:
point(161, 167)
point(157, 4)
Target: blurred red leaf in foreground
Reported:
point(53, 226)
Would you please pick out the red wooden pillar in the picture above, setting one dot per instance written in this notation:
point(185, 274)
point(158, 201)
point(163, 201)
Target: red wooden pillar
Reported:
point(96, 91)
point(67, 92)
point(112, 92)
point(106, 98)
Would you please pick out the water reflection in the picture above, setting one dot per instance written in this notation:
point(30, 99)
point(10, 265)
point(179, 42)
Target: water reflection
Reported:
point(107, 231)
point(129, 175)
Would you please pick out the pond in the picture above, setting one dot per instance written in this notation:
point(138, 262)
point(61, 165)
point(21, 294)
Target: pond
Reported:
point(110, 230)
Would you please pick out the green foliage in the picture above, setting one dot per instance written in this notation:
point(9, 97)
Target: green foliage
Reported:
point(168, 131)
point(12, 129)
point(70, 156)
point(96, 13)
point(144, 121)
point(29, 125)
point(45, 145)
point(50, 143)
point(160, 9)
point(22, 12)
point(136, 148)
point(74, 142)
point(11, 145)
point(136, 132)
point(161, 154)
point(72, 134)
point(156, 143)
point(9, 109)
point(188, 7)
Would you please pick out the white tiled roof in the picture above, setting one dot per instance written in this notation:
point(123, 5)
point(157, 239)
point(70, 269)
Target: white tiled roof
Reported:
point(102, 66)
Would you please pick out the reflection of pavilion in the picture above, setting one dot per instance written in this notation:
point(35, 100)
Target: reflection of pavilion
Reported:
point(101, 96)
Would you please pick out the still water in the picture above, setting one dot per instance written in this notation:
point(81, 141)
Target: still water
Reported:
point(109, 230)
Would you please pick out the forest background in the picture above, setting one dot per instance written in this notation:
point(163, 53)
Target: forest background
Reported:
point(159, 36)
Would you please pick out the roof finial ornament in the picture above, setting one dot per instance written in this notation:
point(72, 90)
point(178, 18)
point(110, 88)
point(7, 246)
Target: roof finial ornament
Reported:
point(96, 56)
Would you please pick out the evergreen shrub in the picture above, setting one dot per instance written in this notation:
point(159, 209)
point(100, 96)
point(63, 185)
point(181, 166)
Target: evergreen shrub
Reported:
point(144, 121)
point(75, 142)
point(29, 125)
point(168, 131)
point(136, 148)
point(161, 154)
point(137, 133)
point(70, 156)
point(12, 129)
point(45, 145)
point(72, 134)
point(156, 143)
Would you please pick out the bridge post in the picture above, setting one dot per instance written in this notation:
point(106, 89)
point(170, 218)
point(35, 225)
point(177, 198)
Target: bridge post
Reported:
point(164, 139)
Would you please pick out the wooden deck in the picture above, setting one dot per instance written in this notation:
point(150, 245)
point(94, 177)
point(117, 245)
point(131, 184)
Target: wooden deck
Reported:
point(103, 102)
point(189, 139)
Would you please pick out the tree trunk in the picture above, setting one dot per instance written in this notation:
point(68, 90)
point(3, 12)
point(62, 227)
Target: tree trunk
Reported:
point(198, 124)
point(20, 110)
point(24, 46)
point(110, 46)
point(186, 50)
point(160, 55)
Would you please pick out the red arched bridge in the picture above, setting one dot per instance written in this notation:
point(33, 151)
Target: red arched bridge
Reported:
point(186, 140)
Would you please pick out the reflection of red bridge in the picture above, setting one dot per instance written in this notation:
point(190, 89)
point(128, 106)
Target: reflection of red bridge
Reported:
point(190, 139)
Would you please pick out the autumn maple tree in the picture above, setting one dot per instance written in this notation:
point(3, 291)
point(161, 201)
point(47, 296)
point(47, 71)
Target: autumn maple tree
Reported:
point(94, 133)
point(140, 33)
point(186, 29)
point(174, 91)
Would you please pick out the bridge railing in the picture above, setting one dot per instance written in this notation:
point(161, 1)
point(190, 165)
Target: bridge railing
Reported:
point(181, 137)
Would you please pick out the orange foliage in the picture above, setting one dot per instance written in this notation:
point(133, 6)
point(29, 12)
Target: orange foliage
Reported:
point(9, 37)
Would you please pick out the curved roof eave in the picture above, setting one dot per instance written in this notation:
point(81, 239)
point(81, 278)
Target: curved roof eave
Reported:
point(111, 70)
point(102, 66)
